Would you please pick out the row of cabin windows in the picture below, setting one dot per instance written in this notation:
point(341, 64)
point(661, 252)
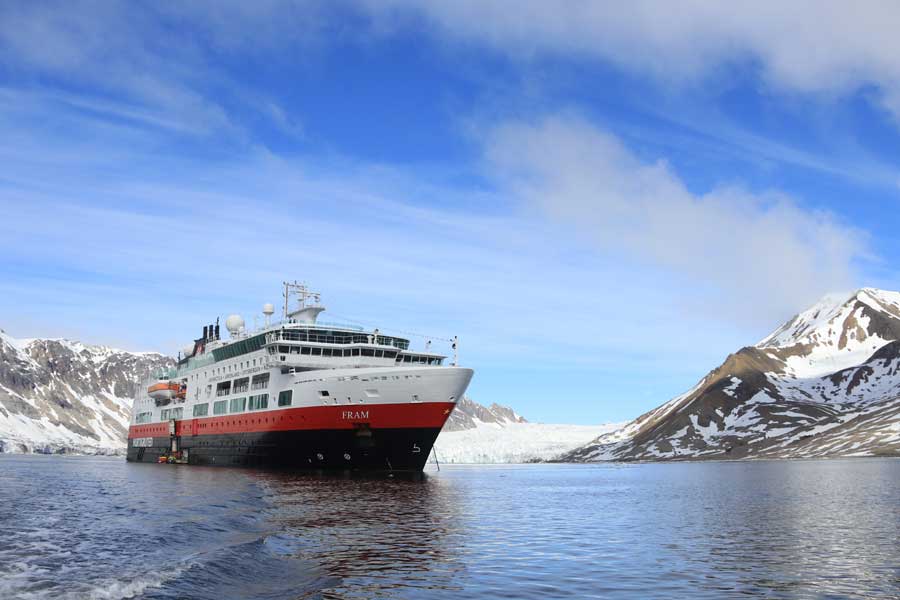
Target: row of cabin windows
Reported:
point(259, 382)
point(344, 338)
point(258, 402)
point(171, 413)
point(242, 385)
point(255, 402)
point(221, 407)
point(244, 364)
point(336, 352)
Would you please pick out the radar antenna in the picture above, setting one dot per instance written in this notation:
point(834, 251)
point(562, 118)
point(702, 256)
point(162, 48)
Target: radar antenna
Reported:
point(308, 302)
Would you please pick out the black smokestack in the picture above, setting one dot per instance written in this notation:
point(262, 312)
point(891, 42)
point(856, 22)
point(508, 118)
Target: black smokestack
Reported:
point(217, 331)
point(205, 333)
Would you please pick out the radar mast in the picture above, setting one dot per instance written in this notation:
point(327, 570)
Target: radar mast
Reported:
point(308, 303)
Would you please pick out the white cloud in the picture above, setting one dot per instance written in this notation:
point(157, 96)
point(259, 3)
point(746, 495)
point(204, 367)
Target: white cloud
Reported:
point(165, 61)
point(803, 46)
point(762, 255)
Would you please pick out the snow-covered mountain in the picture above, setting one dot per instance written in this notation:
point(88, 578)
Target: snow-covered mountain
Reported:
point(826, 383)
point(65, 396)
point(468, 414)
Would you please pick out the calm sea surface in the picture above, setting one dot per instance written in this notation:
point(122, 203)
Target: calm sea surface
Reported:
point(100, 528)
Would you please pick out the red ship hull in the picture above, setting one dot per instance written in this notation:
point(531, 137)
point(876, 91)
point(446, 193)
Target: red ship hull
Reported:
point(381, 437)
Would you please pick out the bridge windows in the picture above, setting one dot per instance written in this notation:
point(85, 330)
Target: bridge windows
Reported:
point(416, 359)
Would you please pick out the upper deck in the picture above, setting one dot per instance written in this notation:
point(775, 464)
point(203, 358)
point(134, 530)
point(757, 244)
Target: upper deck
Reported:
point(300, 342)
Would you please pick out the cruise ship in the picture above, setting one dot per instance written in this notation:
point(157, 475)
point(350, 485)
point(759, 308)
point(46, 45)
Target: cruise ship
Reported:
point(298, 393)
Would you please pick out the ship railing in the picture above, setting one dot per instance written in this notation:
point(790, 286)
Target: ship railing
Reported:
point(293, 336)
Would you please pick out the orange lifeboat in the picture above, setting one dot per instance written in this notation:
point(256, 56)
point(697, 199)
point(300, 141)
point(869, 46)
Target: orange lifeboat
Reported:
point(166, 390)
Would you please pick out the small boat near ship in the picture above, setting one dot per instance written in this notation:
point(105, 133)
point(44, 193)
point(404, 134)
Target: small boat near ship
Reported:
point(297, 393)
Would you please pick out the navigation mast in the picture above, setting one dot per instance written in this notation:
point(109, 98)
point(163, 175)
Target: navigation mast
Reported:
point(308, 302)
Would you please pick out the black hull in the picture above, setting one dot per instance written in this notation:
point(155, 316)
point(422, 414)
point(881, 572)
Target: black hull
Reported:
point(404, 449)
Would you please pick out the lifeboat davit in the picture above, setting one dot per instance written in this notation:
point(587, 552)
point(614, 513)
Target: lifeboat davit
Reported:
point(165, 390)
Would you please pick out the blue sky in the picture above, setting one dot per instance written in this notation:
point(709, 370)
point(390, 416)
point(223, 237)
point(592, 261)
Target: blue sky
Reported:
point(602, 202)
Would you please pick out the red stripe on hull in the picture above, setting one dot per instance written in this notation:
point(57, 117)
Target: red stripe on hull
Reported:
point(347, 416)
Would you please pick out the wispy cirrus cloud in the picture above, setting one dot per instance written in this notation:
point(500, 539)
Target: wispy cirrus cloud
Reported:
point(158, 63)
point(827, 48)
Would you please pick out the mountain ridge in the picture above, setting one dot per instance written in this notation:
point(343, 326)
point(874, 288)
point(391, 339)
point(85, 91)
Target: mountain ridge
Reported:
point(58, 395)
point(825, 383)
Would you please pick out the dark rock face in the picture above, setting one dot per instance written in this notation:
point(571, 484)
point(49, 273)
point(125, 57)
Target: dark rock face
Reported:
point(59, 396)
point(467, 412)
point(826, 383)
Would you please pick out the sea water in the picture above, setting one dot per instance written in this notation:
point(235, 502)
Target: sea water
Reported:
point(80, 527)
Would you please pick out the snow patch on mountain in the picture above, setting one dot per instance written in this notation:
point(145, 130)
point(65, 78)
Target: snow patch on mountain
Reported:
point(58, 395)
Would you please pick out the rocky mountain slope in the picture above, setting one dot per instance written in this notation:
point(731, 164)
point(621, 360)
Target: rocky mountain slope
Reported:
point(826, 383)
point(64, 396)
point(468, 414)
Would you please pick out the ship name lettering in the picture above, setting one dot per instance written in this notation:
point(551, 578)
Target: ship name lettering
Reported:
point(355, 414)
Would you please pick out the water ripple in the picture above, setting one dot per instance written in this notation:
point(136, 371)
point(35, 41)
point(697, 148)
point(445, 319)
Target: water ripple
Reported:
point(100, 528)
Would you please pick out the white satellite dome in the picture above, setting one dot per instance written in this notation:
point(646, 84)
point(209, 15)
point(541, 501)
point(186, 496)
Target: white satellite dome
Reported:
point(234, 324)
point(268, 309)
